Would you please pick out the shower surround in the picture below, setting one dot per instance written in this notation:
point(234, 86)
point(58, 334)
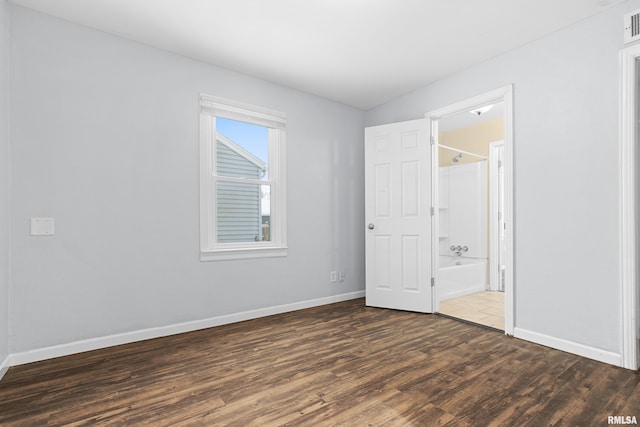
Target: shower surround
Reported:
point(463, 234)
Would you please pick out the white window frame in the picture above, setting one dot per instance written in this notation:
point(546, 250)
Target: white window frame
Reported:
point(210, 250)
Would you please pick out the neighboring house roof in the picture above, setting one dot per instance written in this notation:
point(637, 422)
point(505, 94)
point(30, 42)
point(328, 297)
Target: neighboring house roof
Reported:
point(241, 151)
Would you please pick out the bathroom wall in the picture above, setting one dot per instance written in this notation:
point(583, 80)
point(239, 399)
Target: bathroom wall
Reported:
point(463, 209)
point(474, 138)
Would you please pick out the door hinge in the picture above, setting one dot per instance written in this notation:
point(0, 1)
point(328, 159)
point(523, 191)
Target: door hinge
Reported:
point(433, 140)
point(433, 282)
point(433, 211)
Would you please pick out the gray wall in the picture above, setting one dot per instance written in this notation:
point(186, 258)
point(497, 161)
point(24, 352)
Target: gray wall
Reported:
point(566, 172)
point(5, 194)
point(105, 140)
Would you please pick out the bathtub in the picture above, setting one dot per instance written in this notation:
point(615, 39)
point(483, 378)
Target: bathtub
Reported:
point(458, 276)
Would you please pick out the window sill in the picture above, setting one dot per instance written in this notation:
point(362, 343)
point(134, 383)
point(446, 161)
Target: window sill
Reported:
point(244, 253)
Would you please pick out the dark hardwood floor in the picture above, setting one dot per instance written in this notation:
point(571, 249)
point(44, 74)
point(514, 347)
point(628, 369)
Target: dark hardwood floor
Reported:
point(342, 364)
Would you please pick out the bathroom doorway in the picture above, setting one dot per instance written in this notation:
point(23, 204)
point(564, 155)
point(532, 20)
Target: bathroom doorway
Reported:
point(472, 199)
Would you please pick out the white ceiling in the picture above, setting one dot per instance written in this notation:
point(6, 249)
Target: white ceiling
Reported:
point(358, 52)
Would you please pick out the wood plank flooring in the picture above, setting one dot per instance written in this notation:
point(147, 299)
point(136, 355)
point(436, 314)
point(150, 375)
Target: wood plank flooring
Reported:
point(343, 364)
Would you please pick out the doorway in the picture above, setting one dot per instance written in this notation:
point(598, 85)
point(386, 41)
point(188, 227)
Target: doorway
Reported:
point(470, 211)
point(473, 255)
point(402, 210)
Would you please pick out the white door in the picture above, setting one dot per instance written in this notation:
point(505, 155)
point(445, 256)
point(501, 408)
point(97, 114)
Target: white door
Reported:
point(398, 216)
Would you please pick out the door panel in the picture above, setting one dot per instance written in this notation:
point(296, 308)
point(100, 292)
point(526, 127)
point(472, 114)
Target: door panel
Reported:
point(398, 216)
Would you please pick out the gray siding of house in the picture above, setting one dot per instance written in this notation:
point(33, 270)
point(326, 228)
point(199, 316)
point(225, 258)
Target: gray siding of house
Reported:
point(238, 205)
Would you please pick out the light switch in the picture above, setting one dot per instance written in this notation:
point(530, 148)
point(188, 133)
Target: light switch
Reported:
point(42, 227)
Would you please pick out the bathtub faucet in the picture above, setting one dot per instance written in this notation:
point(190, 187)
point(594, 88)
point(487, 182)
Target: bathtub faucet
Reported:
point(458, 249)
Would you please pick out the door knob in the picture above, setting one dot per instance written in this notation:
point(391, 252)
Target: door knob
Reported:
point(371, 226)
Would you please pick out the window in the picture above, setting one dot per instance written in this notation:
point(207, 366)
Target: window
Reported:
point(242, 181)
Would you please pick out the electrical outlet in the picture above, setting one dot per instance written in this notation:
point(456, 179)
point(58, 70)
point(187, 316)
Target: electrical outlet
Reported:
point(341, 277)
point(333, 277)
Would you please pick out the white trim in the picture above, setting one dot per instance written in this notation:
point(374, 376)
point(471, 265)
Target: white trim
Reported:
point(210, 249)
point(568, 346)
point(241, 111)
point(278, 174)
point(4, 366)
point(179, 328)
point(627, 208)
point(494, 199)
point(467, 291)
point(435, 218)
point(244, 253)
point(509, 192)
point(207, 230)
point(503, 94)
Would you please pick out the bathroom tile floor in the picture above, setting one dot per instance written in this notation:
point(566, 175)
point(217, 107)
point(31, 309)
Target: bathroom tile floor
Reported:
point(484, 308)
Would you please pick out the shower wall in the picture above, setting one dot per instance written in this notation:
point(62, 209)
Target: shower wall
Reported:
point(463, 209)
point(475, 138)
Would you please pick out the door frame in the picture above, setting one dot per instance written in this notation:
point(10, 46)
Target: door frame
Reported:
point(494, 202)
point(628, 208)
point(503, 94)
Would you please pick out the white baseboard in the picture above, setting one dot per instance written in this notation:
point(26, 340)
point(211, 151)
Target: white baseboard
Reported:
point(464, 292)
point(4, 366)
point(145, 334)
point(569, 346)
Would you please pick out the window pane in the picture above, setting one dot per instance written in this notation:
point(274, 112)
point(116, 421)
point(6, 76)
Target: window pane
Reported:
point(242, 149)
point(243, 212)
point(265, 200)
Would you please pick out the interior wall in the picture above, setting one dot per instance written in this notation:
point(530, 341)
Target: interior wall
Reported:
point(105, 141)
point(566, 173)
point(5, 194)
